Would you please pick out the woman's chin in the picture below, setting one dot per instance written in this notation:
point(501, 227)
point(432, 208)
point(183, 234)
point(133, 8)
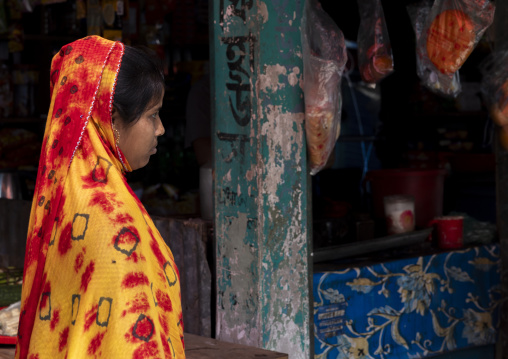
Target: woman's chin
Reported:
point(140, 164)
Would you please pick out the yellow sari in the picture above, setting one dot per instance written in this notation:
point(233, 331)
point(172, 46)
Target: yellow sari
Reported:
point(99, 281)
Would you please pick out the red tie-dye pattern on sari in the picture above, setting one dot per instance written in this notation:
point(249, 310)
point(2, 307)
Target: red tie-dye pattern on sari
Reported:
point(99, 280)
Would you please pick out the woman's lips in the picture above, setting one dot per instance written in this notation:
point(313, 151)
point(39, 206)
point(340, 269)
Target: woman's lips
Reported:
point(154, 149)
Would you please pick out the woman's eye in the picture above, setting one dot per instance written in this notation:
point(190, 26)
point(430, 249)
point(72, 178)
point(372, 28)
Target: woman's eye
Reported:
point(154, 116)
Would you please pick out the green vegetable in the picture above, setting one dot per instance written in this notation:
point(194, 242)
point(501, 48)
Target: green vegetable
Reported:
point(10, 285)
point(9, 294)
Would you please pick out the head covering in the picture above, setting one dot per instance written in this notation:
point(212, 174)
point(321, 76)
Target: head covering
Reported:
point(99, 280)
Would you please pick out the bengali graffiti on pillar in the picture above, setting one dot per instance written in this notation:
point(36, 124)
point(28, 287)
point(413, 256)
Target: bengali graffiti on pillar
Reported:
point(240, 56)
point(234, 8)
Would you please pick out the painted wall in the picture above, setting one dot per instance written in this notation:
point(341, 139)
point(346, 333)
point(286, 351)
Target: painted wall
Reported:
point(261, 217)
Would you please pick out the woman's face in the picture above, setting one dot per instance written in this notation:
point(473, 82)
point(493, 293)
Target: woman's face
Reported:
point(138, 140)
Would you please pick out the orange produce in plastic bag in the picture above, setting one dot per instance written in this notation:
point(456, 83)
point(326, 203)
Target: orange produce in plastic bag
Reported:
point(451, 38)
point(375, 59)
point(380, 64)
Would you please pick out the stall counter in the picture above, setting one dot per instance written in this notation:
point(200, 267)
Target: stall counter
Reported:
point(414, 307)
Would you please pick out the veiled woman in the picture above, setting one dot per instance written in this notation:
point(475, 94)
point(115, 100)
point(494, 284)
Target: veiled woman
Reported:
point(99, 281)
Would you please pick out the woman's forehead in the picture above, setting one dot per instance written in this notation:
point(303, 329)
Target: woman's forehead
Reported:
point(156, 101)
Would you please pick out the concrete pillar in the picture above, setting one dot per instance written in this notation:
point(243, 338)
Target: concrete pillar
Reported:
point(262, 219)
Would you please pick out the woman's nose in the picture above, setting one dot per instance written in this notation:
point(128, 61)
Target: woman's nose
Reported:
point(160, 128)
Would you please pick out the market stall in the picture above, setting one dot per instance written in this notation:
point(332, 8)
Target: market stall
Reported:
point(425, 137)
point(416, 305)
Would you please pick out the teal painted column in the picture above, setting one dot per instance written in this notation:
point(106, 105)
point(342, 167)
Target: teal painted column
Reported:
point(261, 182)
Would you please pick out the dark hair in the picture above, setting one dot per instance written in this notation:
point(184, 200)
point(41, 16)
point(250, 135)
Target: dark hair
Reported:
point(139, 83)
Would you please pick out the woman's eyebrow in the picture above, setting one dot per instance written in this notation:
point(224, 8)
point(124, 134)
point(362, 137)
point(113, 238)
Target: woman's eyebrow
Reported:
point(155, 108)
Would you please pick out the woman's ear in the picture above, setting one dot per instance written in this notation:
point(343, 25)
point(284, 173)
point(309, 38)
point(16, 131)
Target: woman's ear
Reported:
point(114, 114)
point(115, 117)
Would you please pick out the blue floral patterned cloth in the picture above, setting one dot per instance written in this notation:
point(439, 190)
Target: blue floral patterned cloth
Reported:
point(409, 308)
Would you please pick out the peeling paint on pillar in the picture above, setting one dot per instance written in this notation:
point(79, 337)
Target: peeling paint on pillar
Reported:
point(261, 221)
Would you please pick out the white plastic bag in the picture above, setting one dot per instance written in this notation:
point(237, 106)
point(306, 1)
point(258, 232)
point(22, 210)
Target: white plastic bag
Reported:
point(324, 59)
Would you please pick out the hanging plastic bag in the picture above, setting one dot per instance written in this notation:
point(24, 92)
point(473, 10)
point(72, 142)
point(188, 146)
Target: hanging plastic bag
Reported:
point(494, 88)
point(324, 59)
point(375, 58)
point(419, 13)
point(451, 31)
